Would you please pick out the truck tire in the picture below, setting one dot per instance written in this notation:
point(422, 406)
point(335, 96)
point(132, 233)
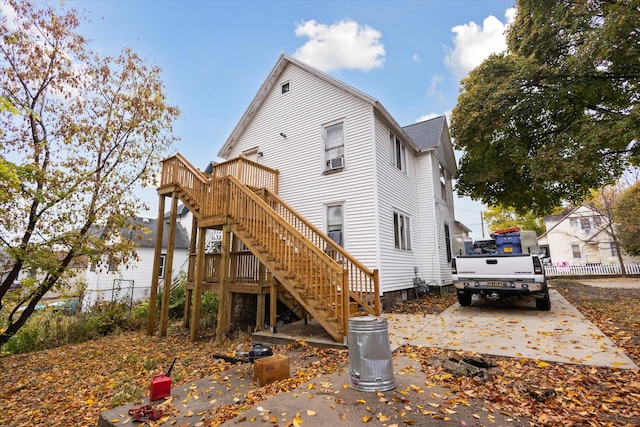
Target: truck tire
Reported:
point(464, 298)
point(544, 303)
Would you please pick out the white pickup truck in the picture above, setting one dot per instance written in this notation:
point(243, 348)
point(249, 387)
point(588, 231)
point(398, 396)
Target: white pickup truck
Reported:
point(505, 267)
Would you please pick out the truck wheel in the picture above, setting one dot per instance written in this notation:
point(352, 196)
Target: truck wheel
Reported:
point(464, 298)
point(544, 303)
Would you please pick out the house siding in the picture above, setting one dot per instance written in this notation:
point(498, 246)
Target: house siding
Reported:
point(101, 285)
point(301, 114)
point(396, 192)
point(370, 187)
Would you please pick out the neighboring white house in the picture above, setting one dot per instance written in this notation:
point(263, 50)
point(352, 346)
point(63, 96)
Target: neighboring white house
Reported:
point(579, 238)
point(382, 191)
point(132, 282)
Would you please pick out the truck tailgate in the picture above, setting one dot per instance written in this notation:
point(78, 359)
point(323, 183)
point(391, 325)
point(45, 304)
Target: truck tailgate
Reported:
point(499, 266)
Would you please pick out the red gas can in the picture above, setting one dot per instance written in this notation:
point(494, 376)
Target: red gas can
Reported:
point(161, 384)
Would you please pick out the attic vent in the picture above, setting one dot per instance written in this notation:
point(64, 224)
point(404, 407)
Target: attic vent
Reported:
point(336, 163)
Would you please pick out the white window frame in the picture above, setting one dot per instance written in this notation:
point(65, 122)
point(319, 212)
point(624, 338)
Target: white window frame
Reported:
point(575, 250)
point(587, 222)
point(401, 231)
point(334, 151)
point(443, 181)
point(161, 265)
point(398, 152)
point(285, 88)
point(330, 227)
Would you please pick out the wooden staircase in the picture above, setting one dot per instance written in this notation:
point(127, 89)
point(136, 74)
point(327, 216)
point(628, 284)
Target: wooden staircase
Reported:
point(325, 279)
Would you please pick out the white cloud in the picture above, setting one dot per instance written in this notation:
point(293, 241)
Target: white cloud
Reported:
point(433, 91)
point(8, 12)
point(473, 43)
point(345, 44)
point(415, 57)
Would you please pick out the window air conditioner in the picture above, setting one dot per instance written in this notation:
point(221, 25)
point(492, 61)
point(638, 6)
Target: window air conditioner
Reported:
point(336, 163)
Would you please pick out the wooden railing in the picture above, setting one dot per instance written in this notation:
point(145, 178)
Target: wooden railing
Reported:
point(246, 267)
point(322, 278)
point(176, 170)
point(248, 172)
point(363, 282)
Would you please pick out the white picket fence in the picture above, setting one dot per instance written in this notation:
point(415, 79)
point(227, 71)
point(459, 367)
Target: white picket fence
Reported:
point(590, 270)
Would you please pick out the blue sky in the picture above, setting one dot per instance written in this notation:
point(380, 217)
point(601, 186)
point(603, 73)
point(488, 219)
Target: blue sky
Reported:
point(410, 55)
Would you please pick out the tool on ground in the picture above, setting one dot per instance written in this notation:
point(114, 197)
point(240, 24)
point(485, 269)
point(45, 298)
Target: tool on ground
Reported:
point(161, 384)
point(258, 351)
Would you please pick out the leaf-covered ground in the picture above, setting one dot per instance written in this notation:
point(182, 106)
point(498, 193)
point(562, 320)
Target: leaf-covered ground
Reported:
point(72, 385)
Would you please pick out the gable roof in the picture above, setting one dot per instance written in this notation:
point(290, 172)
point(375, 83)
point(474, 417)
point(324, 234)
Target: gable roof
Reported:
point(148, 239)
point(561, 218)
point(272, 80)
point(426, 134)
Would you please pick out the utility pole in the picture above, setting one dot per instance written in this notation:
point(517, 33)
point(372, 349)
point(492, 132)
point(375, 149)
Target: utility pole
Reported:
point(482, 222)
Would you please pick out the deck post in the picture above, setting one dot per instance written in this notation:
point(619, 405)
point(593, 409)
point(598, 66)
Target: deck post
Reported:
point(196, 306)
point(193, 265)
point(273, 304)
point(346, 310)
point(376, 287)
point(166, 289)
point(260, 309)
point(153, 296)
point(224, 300)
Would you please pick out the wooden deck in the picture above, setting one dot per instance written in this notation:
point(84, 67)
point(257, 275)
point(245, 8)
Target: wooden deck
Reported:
point(286, 256)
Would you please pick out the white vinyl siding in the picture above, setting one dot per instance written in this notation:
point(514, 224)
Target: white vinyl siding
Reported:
point(102, 284)
point(302, 115)
point(370, 187)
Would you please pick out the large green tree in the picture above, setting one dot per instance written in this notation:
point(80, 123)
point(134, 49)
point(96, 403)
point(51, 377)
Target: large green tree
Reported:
point(82, 131)
point(557, 114)
point(628, 220)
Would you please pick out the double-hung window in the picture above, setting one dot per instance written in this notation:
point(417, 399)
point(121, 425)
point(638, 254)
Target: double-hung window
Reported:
point(443, 182)
point(402, 231)
point(163, 259)
point(576, 251)
point(333, 135)
point(398, 153)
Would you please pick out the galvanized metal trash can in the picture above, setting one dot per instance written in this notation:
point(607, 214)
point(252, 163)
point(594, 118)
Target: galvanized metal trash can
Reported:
point(370, 364)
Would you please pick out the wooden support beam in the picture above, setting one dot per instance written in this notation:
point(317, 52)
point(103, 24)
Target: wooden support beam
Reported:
point(196, 306)
point(261, 300)
point(166, 289)
point(193, 265)
point(224, 297)
point(153, 296)
point(273, 304)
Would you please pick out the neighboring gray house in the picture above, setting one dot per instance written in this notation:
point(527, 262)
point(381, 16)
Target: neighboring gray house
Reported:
point(382, 191)
point(133, 280)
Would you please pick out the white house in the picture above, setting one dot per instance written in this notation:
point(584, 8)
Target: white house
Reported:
point(380, 190)
point(132, 282)
point(580, 238)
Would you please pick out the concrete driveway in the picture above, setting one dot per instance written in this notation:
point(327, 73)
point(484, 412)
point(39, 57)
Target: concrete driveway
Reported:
point(512, 328)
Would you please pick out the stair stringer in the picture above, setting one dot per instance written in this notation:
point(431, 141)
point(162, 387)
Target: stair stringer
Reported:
point(290, 281)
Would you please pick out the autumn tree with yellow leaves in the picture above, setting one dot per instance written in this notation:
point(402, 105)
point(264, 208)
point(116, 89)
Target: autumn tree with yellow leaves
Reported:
point(79, 131)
